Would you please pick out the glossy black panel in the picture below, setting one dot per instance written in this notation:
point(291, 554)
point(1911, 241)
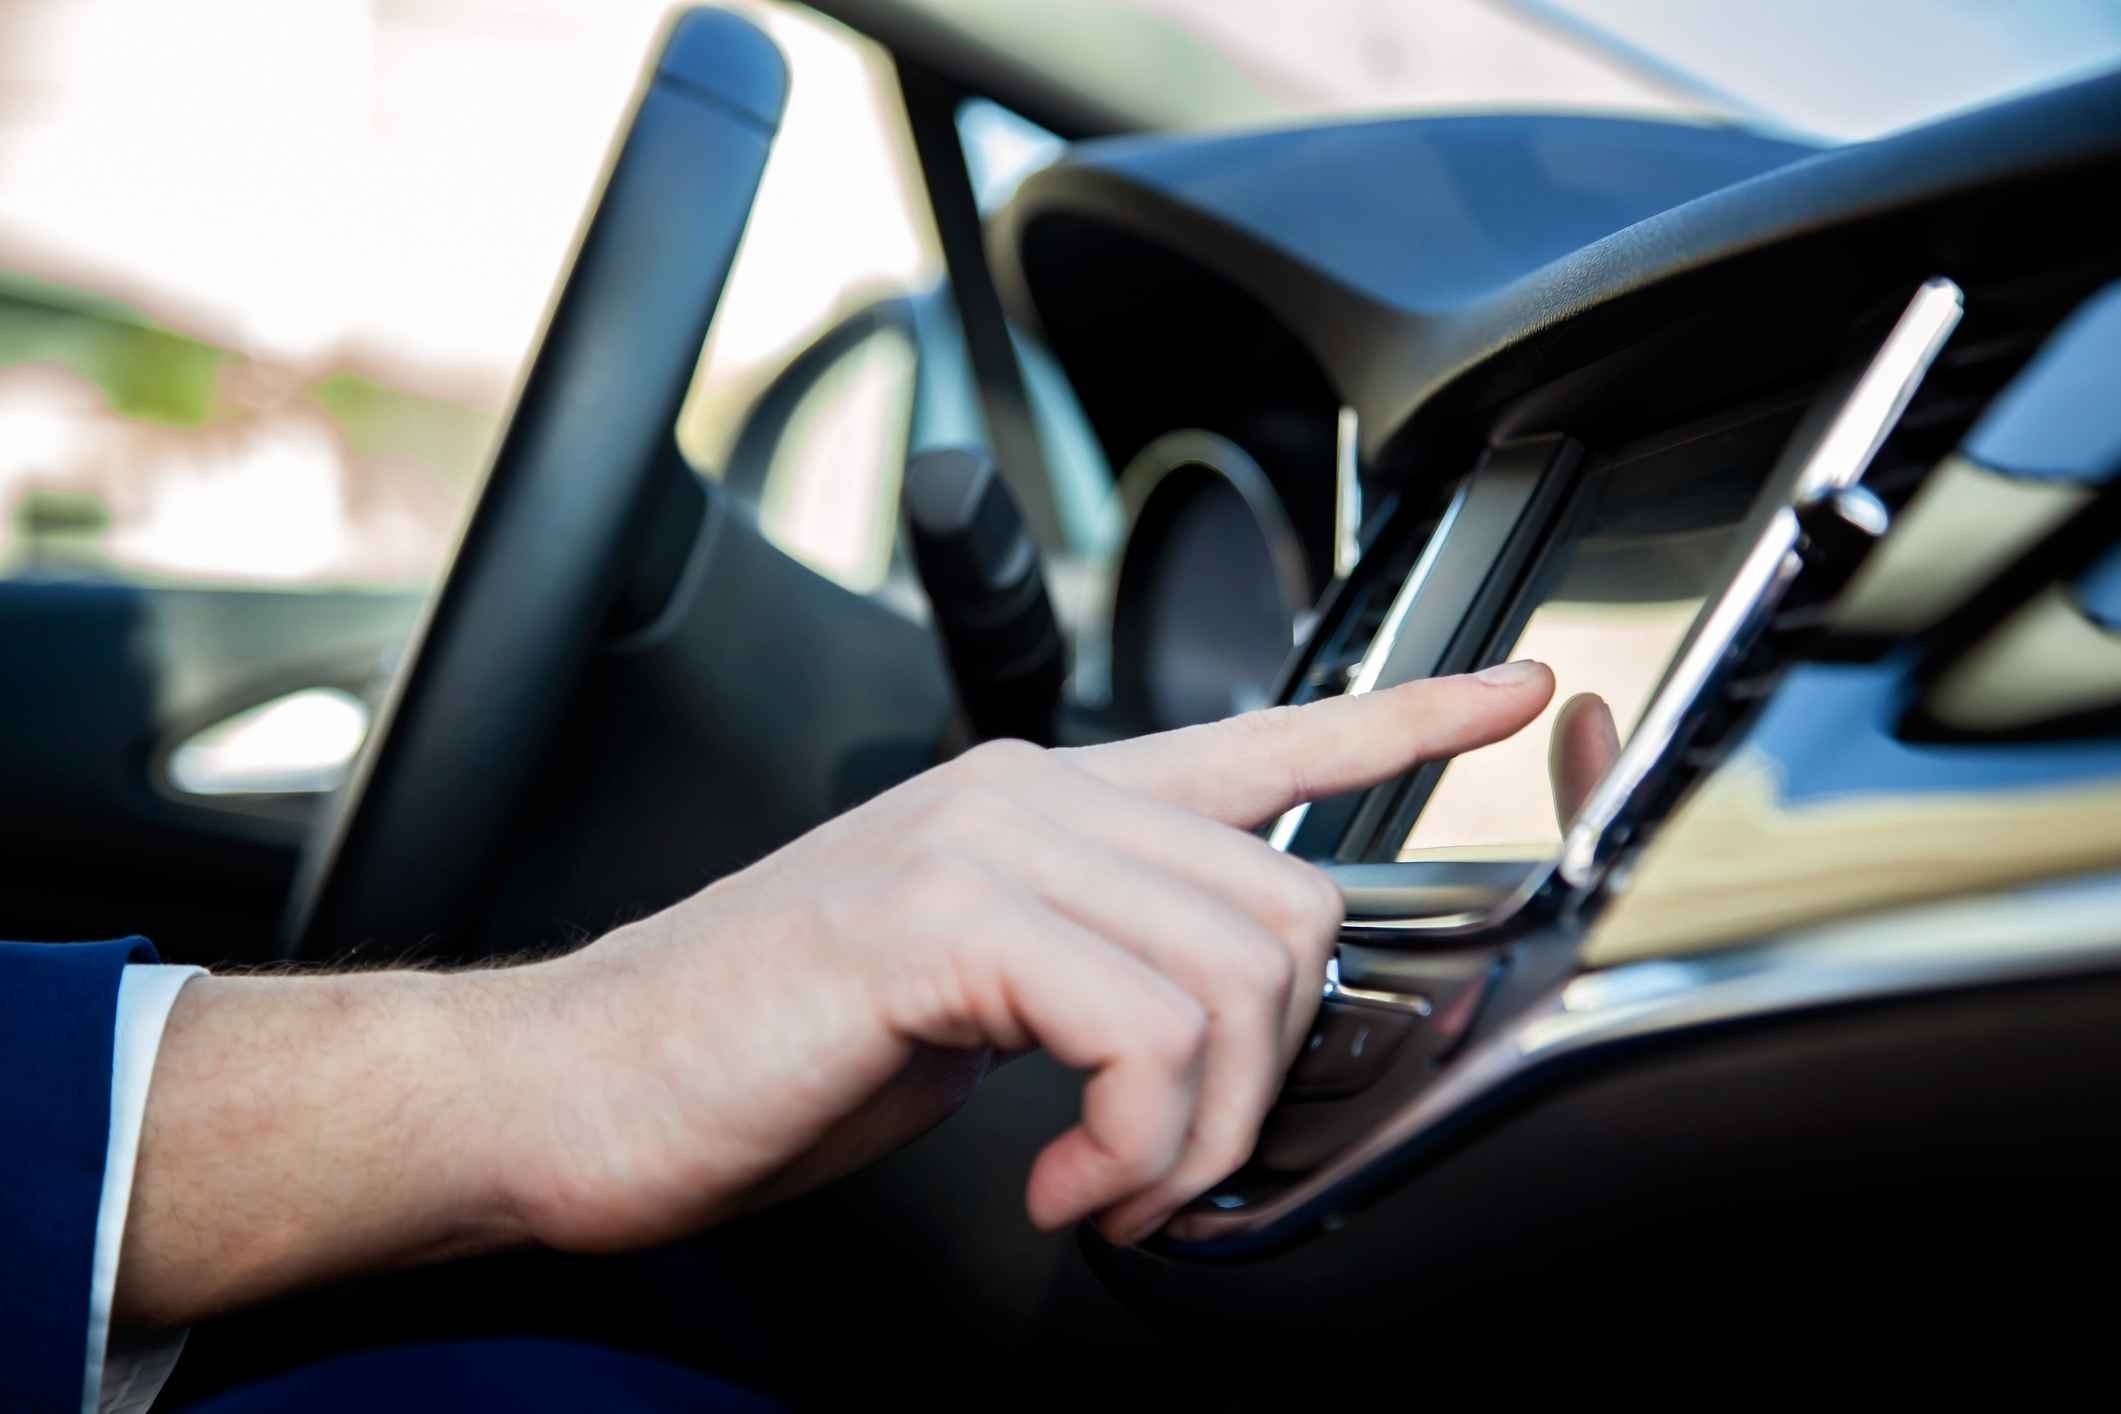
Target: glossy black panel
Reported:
point(1399, 313)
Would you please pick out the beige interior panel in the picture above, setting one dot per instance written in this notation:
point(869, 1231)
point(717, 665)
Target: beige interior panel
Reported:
point(2045, 661)
point(1736, 861)
point(1963, 527)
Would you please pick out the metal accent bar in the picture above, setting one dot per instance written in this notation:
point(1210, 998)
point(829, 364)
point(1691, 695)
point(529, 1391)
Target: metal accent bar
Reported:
point(1766, 573)
point(1372, 665)
point(1834, 463)
point(1873, 407)
point(1337, 990)
point(1956, 944)
point(1347, 493)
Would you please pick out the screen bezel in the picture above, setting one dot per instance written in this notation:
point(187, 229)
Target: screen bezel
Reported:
point(1751, 440)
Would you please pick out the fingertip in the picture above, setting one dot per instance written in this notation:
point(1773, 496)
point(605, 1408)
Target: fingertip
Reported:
point(1518, 673)
point(1521, 690)
point(1583, 747)
point(1588, 718)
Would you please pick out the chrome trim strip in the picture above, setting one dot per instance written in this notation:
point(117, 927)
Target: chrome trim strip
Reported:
point(1441, 928)
point(1372, 665)
point(1337, 990)
point(1767, 571)
point(1347, 493)
point(1174, 451)
point(1284, 832)
point(1867, 416)
point(1935, 947)
point(1832, 465)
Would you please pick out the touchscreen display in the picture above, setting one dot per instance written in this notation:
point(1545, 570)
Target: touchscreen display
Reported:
point(1639, 549)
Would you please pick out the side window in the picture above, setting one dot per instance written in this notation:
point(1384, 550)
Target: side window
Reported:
point(838, 350)
point(805, 397)
point(267, 277)
point(266, 274)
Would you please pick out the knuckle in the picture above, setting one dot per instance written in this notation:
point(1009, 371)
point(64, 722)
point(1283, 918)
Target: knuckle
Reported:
point(1222, 1149)
point(1275, 730)
point(1263, 974)
point(1307, 906)
point(970, 812)
point(1229, 1152)
point(1229, 1149)
point(999, 760)
point(940, 883)
point(1325, 908)
point(1139, 1161)
point(1278, 720)
point(1181, 1035)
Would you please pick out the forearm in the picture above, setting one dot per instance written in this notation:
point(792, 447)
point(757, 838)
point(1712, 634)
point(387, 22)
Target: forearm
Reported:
point(300, 1128)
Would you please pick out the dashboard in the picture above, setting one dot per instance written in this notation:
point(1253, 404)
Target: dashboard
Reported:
point(1802, 460)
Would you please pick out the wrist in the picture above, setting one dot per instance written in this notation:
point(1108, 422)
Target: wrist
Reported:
point(429, 1058)
point(486, 1036)
point(299, 1128)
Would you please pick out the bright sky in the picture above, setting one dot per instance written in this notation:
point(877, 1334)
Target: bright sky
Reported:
point(1854, 70)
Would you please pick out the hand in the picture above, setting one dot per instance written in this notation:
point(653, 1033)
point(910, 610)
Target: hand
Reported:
point(1583, 748)
point(795, 1019)
point(1106, 904)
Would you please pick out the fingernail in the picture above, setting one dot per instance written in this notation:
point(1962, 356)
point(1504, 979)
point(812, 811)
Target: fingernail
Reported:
point(1513, 674)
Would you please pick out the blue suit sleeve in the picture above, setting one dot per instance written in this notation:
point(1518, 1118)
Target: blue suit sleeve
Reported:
point(58, 1013)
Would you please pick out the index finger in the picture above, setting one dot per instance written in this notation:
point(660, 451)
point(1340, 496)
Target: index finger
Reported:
point(1248, 769)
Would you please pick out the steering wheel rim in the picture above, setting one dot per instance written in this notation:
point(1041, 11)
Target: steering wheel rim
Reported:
point(408, 846)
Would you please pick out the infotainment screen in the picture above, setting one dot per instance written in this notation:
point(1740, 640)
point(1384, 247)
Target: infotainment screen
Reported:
point(1640, 545)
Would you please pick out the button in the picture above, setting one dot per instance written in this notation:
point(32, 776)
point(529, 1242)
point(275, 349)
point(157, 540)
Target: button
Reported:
point(1346, 1050)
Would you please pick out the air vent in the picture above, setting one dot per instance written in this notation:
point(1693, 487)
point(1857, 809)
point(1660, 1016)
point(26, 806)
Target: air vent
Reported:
point(1968, 521)
point(2005, 324)
point(1817, 519)
point(1825, 614)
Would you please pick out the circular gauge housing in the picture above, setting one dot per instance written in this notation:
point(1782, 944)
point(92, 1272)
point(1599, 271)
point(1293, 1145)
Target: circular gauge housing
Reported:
point(1211, 586)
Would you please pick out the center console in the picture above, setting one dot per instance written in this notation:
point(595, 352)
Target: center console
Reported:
point(1463, 972)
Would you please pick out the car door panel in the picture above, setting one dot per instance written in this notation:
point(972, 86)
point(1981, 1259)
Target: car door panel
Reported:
point(103, 680)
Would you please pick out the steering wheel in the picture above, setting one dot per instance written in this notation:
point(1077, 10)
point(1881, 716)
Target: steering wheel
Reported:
point(583, 488)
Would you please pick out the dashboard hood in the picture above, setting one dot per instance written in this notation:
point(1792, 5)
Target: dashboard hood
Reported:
point(1404, 254)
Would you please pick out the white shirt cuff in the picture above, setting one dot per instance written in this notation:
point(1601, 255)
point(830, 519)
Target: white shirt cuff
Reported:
point(128, 1377)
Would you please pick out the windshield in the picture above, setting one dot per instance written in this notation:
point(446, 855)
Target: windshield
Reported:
point(1843, 71)
point(1830, 70)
